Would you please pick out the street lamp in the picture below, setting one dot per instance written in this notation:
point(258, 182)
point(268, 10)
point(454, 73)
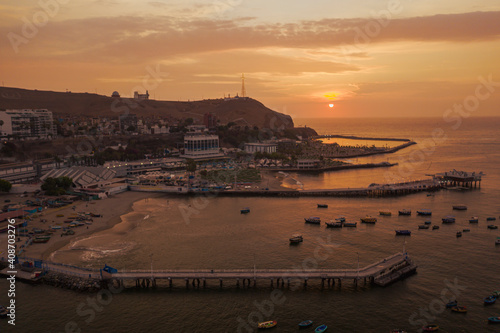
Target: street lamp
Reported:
point(151, 255)
point(357, 275)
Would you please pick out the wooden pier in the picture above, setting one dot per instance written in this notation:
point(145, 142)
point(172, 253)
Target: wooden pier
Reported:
point(460, 178)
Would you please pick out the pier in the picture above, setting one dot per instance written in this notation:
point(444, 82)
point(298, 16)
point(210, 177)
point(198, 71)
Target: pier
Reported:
point(460, 178)
point(382, 273)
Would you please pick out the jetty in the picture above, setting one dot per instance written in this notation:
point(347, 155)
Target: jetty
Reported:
point(460, 178)
point(382, 273)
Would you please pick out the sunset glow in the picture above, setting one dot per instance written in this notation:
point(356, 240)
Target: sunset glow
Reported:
point(399, 58)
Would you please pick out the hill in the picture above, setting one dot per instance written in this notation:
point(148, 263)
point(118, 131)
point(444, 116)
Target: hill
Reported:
point(242, 111)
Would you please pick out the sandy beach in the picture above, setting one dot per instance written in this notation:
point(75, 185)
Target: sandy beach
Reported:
point(110, 209)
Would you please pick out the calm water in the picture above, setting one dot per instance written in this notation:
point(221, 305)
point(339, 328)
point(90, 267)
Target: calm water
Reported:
point(215, 235)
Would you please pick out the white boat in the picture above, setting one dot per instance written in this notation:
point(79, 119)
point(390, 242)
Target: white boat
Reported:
point(497, 241)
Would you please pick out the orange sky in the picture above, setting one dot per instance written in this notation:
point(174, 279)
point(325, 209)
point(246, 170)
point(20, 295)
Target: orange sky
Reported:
point(371, 58)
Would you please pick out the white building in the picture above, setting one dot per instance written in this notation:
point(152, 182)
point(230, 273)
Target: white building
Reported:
point(201, 146)
point(27, 123)
point(261, 147)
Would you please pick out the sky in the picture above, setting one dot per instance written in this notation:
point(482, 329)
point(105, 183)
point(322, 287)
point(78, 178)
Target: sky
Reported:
point(318, 58)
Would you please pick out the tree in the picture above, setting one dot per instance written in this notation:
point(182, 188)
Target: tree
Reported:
point(5, 185)
point(56, 186)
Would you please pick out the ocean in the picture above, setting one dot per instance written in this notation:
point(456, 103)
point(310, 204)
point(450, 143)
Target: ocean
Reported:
point(210, 233)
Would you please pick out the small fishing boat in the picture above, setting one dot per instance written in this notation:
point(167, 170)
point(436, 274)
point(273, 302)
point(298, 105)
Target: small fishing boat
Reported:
point(267, 324)
point(448, 219)
point(41, 239)
point(295, 239)
point(322, 206)
point(459, 234)
point(320, 329)
point(396, 330)
point(385, 213)
point(68, 232)
point(466, 230)
point(305, 323)
point(434, 227)
point(332, 224)
point(403, 232)
point(451, 304)
point(496, 293)
point(459, 309)
point(497, 242)
point(340, 219)
point(313, 220)
point(55, 227)
point(430, 328)
point(427, 222)
point(404, 212)
point(494, 320)
point(490, 300)
point(350, 224)
point(491, 218)
point(423, 226)
point(474, 219)
point(368, 219)
point(245, 210)
point(492, 226)
point(459, 207)
point(424, 212)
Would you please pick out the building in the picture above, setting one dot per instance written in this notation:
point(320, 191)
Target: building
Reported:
point(308, 164)
point(260, 147)
point(210, 120)
point(27, 123)
point(115, 94)
point(141, 97)
point(24, 172)
point(127, 120)
point(201, 146)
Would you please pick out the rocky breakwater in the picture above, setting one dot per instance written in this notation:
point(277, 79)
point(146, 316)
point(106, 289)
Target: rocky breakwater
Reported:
point(72, 282)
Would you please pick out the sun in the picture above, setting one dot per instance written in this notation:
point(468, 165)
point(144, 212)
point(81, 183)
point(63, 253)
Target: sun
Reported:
point(331, 105)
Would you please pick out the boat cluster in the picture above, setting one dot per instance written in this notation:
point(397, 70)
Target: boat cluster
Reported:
point(303, 324)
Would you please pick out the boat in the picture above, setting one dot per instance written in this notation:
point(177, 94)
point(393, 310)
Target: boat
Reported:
point(494, 320)
point(434, 227)
point(496, 293)
point(340, 219)
point(430, 328)
point(41, 239)
point(320, 329)
point(385, 213)
point(448, 219)
point(245, 210)
point(55, 227)
point(332, 224)
point(267, 324)
point(350, 224)
point(423, 226)
point(368, 219)
point(459, 207)
point(3, 311)
point(38, 231)
point(492, 226)
point(424, 212)
point(403, 232)
point(460, 309)
point(313, 220)
point(466, 230)
point(474, 219)
point(305, 323)
point(322, 206)
point(491, 218)
point(497, 242)
point(396, 330)
point(490, 300)
point(459, 234)
point(296, 239)
point(427, 222)
point(68, 232)
point(451, 304)
point(404, 212)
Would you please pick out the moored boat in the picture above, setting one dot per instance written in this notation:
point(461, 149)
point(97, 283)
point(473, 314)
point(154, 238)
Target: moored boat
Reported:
point(492, 226)
point(490, 300)
point(404, 212)
point(385, 213)
point(368, 219)
point(474, 219)
point(403, 232)
point(427, 222)
point(55, 227)
point(451, 304)
point(305, 323)
point(423, 226)
point(340, 219)
point(295, 239)
point(459, 234)
point(267, 324)
point(430, 328)
point(494, 320)
point(497, 242)
point(491, 218)
point(434, 227)
point(322, 206)
point(320, 329)
point(466, 230)
point(350, 224)
point(460, 309)
point(332, 224)
point(41, 239)
point(424, 212)
point(459, 207)
point(396, 330)
point(448, 219)
point(245, 210)
point(313, 220)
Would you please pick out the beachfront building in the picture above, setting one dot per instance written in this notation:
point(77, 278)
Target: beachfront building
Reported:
point(25, 172)
point(200, 146)
point(308, 164)
point(134, 168)
point(252, 148)
point(27, 123)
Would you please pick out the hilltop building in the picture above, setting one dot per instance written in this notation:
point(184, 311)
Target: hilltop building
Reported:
point(141, 97)
point(115, 94)
point(27, 123)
